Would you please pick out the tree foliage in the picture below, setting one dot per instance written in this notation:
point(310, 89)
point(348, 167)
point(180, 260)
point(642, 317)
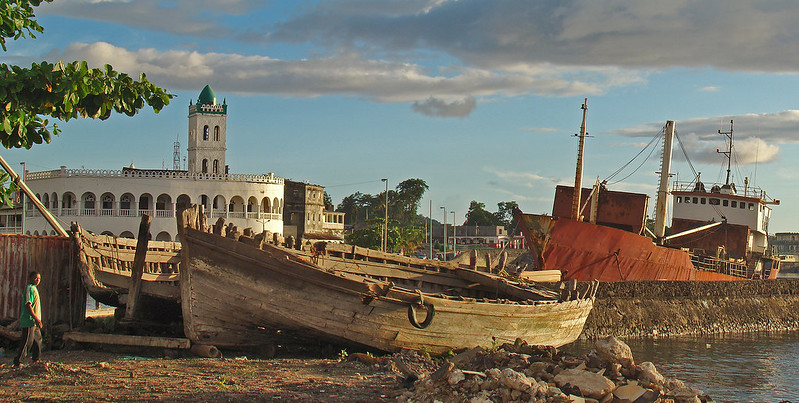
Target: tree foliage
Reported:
point(478, 215)
point(403, 203)
point(504, 216)
point(401, 238)
point(63, 91)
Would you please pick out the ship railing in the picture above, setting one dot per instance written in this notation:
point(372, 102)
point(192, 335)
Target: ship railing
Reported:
point(731, 268)
point(750, 191)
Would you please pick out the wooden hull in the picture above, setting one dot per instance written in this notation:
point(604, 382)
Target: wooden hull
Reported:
point(238, 295)
point(105, 264)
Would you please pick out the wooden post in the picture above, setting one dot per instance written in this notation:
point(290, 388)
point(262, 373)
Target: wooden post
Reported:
point(138, 267)
point(473, 259)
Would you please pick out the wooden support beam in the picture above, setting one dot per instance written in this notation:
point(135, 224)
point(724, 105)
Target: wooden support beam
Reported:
point(39, 206)
point(125, 340)
point(137, 270)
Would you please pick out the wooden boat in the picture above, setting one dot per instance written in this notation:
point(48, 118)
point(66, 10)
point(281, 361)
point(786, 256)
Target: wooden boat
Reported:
point(105, 263)
point(243, 293)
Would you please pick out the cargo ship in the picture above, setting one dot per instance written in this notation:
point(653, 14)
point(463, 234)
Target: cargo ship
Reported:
point(718, 233)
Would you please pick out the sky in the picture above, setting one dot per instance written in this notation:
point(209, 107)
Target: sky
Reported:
point(480, 99)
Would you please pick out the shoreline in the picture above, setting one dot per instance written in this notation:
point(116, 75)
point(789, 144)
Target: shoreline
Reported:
point(673, 308)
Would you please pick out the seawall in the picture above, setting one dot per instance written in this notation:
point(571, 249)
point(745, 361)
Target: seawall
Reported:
point(671, 308)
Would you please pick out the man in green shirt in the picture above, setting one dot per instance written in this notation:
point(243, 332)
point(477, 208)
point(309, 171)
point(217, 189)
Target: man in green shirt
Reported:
point(30, 320)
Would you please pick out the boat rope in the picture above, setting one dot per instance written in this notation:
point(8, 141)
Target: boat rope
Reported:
point(653, 142)
point(693, 170)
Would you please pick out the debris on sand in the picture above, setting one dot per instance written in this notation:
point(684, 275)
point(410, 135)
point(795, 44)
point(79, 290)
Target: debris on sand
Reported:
point(519, 372)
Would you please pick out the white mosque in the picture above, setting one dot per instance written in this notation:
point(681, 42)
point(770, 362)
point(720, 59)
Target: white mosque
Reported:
point(112, 201)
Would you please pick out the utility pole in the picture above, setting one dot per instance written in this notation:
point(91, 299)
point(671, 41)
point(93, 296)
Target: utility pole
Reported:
point(445, 232)
point(578, 177)
point(385, 224)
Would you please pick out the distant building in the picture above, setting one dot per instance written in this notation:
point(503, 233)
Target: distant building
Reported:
point(472, 235)
point(111, 201)
point(305, 216)
point(786, 243)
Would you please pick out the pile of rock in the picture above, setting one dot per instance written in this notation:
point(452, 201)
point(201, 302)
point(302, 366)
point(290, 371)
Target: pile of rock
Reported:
point(522, 373)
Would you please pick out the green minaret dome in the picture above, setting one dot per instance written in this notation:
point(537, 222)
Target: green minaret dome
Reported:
point(207, 96)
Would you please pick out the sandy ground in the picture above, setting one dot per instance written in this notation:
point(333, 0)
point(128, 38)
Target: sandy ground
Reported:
point(95, 375)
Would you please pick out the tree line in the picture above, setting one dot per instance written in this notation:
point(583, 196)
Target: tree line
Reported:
point(365, 215)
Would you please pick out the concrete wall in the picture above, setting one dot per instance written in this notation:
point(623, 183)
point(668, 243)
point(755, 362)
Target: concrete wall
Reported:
point(664, 308)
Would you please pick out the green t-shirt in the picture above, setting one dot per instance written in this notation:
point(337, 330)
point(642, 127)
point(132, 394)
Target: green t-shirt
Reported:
point(31, 295)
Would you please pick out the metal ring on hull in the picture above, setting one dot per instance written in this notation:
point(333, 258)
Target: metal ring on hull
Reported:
point(431, 312)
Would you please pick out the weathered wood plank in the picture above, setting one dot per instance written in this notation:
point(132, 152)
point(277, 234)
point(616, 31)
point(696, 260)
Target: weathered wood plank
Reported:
point(125, 340)
point(138, 267)
point(544, 276)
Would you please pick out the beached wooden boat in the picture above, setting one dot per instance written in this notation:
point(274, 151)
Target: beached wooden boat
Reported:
point(235, 294)
point(105, 264)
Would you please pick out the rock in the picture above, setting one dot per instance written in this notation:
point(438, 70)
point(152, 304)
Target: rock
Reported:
point(628, 393)
point(516, 380)
point(648, 373)
point(443, 371)
point(613, 350)
point(455, 377)
point(482, 397)
point(466, 357)
point(684, 395)
point(590, 384)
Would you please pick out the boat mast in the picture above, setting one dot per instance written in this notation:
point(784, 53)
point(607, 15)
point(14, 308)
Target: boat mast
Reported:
point(727, 153)
point(663, 189)
point(578, 177)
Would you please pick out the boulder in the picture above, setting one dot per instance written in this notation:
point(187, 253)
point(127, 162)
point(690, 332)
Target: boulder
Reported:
point(590, 384)
point(684, 395)
point(612, 350)
point(648, 373)
point(516, 381)
point(628, 393)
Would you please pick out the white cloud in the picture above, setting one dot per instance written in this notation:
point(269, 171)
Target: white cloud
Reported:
point(437, 107)
point(757, 137)
point(344, 74)
point(709, 88)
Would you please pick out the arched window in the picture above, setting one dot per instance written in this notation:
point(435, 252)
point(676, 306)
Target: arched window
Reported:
point(216, 133)
point(205, 133)
point(216, 166)
point(205, 166)
point(88, 202)
point(183, 202)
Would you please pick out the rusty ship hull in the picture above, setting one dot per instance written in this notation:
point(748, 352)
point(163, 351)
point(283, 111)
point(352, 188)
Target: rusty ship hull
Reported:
point(583, 251)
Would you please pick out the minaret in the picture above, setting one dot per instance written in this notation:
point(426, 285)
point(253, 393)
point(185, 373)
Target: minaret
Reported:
point(207, 134)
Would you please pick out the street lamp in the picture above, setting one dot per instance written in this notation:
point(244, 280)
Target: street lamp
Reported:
point(445, 232)
point(385, 224)
point(454, 236)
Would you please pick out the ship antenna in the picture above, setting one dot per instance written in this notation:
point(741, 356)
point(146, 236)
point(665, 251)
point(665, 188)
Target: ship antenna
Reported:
point(578, 177)
point(727, 153)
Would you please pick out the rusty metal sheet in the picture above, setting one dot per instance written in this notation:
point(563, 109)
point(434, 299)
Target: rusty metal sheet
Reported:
point(62, 294)
point(584, 252)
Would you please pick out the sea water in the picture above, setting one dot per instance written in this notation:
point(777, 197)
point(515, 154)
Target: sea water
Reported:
point(749, 367)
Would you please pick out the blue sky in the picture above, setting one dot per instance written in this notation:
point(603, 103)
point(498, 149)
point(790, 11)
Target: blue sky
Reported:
point(479, 98)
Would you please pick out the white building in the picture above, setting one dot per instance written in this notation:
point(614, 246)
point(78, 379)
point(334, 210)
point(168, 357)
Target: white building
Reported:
point(111, 201)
